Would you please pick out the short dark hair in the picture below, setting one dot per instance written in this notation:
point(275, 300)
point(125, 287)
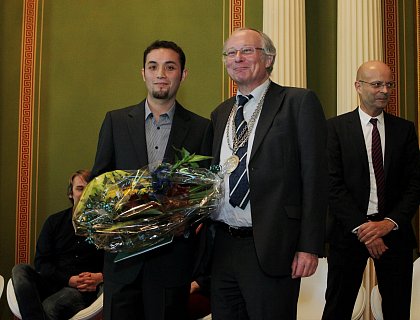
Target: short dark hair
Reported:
point(84, 174)
point(167, 45)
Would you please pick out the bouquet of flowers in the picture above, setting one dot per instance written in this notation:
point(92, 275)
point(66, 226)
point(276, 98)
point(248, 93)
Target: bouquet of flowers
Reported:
point(139, 210)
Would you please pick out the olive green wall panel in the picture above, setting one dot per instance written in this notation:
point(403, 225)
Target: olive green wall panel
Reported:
point(10, 35)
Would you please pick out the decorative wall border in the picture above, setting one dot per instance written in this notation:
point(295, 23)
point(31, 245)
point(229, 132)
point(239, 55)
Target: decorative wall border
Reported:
point(25, 140)
point(391, 53)
point(236, 21)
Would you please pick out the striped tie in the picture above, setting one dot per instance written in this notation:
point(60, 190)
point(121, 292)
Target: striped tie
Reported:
point(238, 179)
point(378, 168)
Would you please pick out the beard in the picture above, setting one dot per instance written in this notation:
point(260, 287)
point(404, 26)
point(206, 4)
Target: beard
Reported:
point(160, 94)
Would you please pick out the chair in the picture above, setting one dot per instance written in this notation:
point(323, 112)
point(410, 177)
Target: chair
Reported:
point(312, 295)
point(376, 299)
point(88, 313)
point(1, 285)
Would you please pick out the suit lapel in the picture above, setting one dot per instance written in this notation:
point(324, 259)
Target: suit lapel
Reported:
point(272, 103)
point(389, 141)
point(179, 131)
point(358, 142)
point(137, 132)
point(219, 130)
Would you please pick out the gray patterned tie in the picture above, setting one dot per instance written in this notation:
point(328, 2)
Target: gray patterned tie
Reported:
point(238, 179)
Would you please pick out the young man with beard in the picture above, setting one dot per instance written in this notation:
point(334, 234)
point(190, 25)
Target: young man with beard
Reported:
point(154, 285)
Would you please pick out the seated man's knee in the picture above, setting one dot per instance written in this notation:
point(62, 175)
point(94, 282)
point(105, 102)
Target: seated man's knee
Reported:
point(21, 272)
point(63, 304)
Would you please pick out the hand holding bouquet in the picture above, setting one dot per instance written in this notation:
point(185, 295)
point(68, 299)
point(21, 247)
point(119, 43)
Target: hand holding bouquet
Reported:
point(138, 210)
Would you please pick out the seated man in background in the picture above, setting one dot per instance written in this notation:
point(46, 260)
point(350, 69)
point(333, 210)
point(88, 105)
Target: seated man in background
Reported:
point(68, 270)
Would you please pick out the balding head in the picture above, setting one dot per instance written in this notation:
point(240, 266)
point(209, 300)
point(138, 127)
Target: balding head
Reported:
point(374, 84)
point(371, 69)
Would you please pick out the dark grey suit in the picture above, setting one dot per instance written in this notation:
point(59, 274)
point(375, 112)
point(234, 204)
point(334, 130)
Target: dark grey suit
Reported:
point(151, 281)
point(349, 198)
point(288, 185)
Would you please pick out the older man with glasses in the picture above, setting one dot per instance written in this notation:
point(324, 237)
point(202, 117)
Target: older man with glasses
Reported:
point(270, 142)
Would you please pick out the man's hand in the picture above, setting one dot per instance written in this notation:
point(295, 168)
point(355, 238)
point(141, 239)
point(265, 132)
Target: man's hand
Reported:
point(194, 287)
point(304, 264)
point(372, 230)
point(86, 281)
point(376, 248)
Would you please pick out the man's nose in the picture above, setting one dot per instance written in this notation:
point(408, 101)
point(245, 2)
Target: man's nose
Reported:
point(161, 72)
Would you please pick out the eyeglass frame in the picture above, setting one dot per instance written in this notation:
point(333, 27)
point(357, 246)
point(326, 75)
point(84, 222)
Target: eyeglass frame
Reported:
point(254, 50)
point(379, 84)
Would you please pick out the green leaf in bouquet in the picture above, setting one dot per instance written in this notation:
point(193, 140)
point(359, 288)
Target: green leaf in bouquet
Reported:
point(187, 159)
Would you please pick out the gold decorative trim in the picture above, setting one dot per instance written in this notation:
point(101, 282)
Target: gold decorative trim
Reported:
point(25, 140)
point(236, 21)
point(391, 53)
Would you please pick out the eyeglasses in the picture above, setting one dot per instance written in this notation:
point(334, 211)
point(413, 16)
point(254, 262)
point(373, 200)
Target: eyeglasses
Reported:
point(246, 51)
point(379, 84)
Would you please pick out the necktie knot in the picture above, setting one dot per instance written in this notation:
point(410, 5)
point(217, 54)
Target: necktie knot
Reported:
point(243, 100)
point(374, 121)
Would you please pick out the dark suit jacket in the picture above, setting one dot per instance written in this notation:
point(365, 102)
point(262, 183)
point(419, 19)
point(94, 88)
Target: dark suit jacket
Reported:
point(287, 175)
point(122, 145)
point(350, 183)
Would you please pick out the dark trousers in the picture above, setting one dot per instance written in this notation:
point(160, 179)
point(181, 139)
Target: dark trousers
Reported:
point(39, 299)
point(241, 290)
point(144, 300)
point(394, 270)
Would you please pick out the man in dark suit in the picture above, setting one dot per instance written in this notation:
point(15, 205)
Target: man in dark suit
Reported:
point(374, 194)
point(270, 233)
point(154, 285)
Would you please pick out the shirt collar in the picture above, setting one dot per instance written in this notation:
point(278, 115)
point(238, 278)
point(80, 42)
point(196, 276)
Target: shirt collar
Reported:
point(365, 118)
point(148, 113)
point(258, 91)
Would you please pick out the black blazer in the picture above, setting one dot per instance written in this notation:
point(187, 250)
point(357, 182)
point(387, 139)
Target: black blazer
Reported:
point(350, 183)
point(122, 145)
point(287, 175)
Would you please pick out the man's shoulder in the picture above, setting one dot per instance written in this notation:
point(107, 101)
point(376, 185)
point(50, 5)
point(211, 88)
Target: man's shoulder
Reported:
point(196, 118)
point(126, 110)
point(390, 118)
point(344, 117)
point(59, 218)
point(61, 214)
point(275, 87)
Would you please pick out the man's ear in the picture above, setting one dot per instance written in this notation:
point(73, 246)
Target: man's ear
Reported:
point(269, 61)
point(142, 74)
point(184, 74)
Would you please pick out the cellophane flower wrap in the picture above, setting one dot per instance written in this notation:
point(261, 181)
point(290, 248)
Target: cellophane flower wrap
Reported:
point(138, 210)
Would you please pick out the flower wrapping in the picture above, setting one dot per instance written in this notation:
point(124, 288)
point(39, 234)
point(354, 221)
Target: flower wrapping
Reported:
point(139, 210)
